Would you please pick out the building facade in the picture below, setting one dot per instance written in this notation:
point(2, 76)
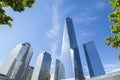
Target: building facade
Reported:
point(28, 74)
point(70, 66)
point(93, 60)
point(42, 67)
point(18, 62)
point(3, 77)
point(57, 67)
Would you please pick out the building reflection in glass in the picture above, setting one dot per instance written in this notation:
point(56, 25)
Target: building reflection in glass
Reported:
point(42, 67)
point(70, 66)
point(16, 65)
point(93, 60)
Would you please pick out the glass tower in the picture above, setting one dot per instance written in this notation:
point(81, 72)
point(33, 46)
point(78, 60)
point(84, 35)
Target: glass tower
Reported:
point(70, 66)
point(57, 67)
point(28, 74)
point(93, 60)
point(42, 67)
point(16, 65)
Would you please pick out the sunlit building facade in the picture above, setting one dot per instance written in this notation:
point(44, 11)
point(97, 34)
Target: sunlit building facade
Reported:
point(42, 67)
point(18, 62)
point(70, 67)
point(93, 60)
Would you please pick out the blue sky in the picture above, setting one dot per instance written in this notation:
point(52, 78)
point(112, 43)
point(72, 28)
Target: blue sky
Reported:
point(42, 27)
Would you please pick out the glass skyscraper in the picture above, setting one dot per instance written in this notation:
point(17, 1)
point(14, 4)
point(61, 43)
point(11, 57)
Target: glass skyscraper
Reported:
point(28, 74)
point(70, 63)
point(57, 67)
point(42, 67)
point(93, 60)
point(16, 65)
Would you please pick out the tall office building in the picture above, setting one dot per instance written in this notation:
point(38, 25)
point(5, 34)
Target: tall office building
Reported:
point(28, 74)
point(93, 60)
point(16, 65)
point(42, 67)
point(57, 67)
point(70, 67)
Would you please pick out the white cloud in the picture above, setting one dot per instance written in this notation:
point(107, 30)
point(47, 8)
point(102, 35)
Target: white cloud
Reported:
point(68, 10)
point(0, 63)
point(53, 34)
point(109, 68)
point(99, 4)
point(86, 34)
point(54, 31)
point(54, 50)
point(84, 18)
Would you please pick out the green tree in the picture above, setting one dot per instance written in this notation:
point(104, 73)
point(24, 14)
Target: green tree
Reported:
point(16, 5)
point(114, 17)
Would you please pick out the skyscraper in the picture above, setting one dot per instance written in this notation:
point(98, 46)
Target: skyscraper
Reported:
point(28, 74)
point(57, 67)
point(42, 67)
point(70, 66)
point(16, 65)
point(93, 60)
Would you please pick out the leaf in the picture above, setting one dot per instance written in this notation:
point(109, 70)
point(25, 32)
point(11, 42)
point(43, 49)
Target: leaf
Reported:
point(16, 5)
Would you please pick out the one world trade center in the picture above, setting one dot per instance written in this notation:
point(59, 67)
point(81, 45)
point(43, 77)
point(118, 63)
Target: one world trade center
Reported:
point(70, 63)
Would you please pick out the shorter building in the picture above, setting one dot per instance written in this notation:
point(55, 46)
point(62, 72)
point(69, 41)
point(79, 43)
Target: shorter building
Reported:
point(93, 60)
point(42, 67)
point(28, 73)
point(57, 67)
point(110, 76)
point(18, 62)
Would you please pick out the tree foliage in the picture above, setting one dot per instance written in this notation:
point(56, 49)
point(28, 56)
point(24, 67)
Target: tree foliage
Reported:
point(114, 17)
point(16, 5)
